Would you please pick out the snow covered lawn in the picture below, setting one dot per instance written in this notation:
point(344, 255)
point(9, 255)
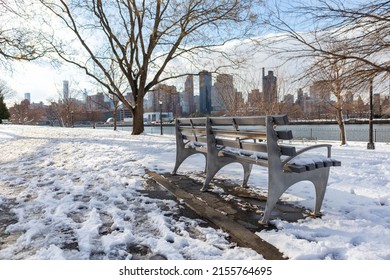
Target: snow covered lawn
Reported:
point(74, 193)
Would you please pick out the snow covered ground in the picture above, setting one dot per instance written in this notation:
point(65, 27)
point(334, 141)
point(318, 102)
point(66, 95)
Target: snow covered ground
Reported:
point(75, 193)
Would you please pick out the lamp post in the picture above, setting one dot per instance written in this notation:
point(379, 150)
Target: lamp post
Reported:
point(370, 144)
point(115, 100)
point(161, 127)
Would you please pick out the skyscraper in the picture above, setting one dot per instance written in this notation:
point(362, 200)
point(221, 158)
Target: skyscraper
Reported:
point(188, 95)
point(270, 93)
point(205, 83)
point(27, 96)
point(227, 93)
point(65, 90)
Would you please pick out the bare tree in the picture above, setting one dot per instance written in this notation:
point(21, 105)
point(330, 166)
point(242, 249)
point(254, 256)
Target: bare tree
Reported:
point(5, 91)
point(17, 42)
point(65, 109)
point(329, 75)
point(23, 114)
point(337, 77)
point(360, 32)
point(143, 39)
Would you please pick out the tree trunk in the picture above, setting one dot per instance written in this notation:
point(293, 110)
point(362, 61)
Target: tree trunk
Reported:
point(138, 117)
point(340, 122)
point(115, 114)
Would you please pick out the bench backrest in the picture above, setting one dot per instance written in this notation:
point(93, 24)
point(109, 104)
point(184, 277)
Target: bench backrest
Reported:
point(257, 134)
point(191, 129)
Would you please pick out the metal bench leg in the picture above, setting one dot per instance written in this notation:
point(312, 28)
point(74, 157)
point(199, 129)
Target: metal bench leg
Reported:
point(182, 155)
point(212, 169)
point(277, 185)
point(272, 199)
point(247, 172)
point(280, 183)
point(320, 183)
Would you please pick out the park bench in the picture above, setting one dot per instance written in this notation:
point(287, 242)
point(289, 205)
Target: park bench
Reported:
point(255, 140)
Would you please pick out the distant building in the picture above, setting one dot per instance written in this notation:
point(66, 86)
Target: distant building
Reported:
point(349, 97)
point(85, 96)
point(288, 99)
point(304, 101)
point(320, 91)
point(377, 105)
point(27, 96)
point(254, 97)
point(226, 95)
point(205, 83)
point(96, 102)
point(169, 98)
point(386, 106)
point(188, 104)
point(197, 102)
point(65, 90)
point(217, 103)
point(270, 92)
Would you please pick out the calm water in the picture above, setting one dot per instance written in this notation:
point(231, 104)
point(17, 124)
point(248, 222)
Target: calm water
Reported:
point(354, 132)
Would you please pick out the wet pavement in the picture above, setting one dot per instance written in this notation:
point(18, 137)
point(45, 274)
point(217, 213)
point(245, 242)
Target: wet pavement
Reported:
point(228, 206)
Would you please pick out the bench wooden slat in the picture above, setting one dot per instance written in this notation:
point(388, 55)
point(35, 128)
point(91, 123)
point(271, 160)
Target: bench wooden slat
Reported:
point(245, 158)
point(238, 121)
point(255, 134)
point(288, 150)
point(298, 168)
point(227, 143)
point(284, 134)
point(280, 119)
point(295, 168)
point(192, 121)
point(255, 147)
point(189, 130)
point(221, 121)
point(310, 166)
point(256, 120)
point(199, 139)
point(250, 121)
point(336, 162)
point(331, 162)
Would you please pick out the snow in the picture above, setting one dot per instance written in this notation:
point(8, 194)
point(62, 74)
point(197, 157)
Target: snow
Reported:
point(76, 193)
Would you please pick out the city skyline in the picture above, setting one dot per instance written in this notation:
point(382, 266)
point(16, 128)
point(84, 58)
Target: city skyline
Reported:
point(214, 104)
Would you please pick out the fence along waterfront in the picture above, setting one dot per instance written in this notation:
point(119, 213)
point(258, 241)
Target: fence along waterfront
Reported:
point(355, 132)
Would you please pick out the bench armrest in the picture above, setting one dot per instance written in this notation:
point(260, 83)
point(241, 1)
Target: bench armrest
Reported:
point(328, 146)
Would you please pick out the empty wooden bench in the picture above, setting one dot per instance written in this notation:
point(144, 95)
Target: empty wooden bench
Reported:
point(254, 140)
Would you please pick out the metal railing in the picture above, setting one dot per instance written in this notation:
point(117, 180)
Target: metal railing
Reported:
point(325, 132)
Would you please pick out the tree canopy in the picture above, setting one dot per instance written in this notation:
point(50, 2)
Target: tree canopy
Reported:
point(17, 41)
point(356, 32)
point(131, 46)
